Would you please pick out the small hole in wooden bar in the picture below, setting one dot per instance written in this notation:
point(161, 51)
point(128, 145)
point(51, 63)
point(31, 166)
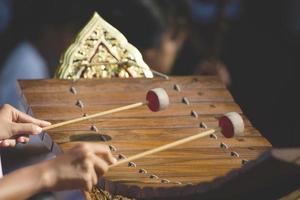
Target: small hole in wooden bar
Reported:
point(165, 181)
point(200, 93)
point(177, 88)
point(142, 171)
point(214, 136)
point(89, 137)
point(79, 103)
point(194, 114)
point(94, 128)
point(73, 90)
point(112, 147)
point(203, 125)
point(195, 80)
point(244, 161)
point(186, 101)
point(121, 156)
point(212, 106)
point(234, 154)
point(223, 145)
point(153, 176)
point(84, 114)
point(131, 164)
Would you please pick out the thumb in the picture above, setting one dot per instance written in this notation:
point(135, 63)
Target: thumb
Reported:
point(25, 128)
point(8, 143)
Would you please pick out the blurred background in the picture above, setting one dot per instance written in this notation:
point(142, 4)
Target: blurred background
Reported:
point(252, 45)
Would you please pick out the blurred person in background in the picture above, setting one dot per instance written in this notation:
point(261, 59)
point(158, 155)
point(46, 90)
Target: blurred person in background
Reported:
point(41, 30)
point(262, 54)
point(33, 43)
point(201, 54)
point(158, 28)
point(253, 47)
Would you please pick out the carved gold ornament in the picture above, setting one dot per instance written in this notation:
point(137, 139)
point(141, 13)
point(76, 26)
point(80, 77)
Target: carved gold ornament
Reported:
point(101, 51)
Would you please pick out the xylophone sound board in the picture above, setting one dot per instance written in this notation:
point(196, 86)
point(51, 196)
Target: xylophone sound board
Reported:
point(196, 103)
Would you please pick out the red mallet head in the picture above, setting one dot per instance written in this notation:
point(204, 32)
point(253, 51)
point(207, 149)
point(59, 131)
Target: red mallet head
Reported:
point(158, 99)
point(231, 124)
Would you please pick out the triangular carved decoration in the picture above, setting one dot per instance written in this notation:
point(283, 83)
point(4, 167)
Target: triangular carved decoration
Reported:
point(101, 51)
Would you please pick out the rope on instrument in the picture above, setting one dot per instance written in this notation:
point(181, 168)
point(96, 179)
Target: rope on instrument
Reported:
point(99, 194)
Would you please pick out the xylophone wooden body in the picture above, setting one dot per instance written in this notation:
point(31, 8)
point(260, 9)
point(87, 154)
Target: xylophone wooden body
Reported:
point(196, 103)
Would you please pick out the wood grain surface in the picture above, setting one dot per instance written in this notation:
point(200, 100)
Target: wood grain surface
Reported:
point(163, 175)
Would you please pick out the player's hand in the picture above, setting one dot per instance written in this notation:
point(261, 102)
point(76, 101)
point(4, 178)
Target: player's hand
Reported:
point(80, 168)
point(15, 126)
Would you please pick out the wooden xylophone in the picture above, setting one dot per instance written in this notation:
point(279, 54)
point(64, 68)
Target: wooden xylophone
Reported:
point(196, 102)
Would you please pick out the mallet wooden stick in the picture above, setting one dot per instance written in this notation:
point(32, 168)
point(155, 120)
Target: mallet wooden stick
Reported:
point(164, 147)
point(127, 107)
point(157, 99)
point(230, 125)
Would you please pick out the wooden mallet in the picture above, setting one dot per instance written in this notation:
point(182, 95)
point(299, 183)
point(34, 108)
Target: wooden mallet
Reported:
point(156, 99)
point(230, 125)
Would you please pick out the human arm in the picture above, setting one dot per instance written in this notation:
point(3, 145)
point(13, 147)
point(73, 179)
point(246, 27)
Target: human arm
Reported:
point(79, 168)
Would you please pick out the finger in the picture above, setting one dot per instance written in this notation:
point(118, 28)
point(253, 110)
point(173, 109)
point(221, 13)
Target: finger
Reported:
point(19, 116)
point(12, 142)
point(88, 183)
point(103, 151)
point(5, 143)
point(108, 157)
point(89, 186)
point(22, 139)
point(94, 177)
point(101, 166)
point(8, 143)
point(25, 128)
